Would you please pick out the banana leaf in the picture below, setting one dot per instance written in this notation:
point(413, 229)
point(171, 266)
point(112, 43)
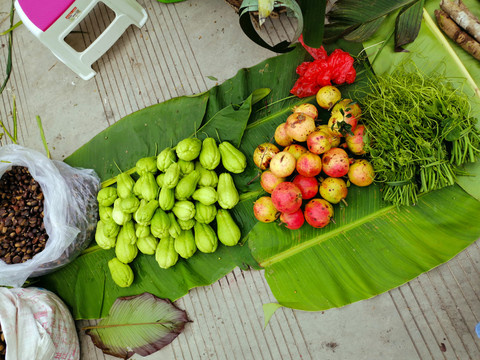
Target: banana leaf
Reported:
point(433, 51)
point(373, 247)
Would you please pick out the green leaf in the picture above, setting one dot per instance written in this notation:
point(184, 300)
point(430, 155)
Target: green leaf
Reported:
point(141, 324)
point(369, 250)
point(268, 311)
point(357, 21)
point(408, 24)
point(213, 78)
point(313, 12)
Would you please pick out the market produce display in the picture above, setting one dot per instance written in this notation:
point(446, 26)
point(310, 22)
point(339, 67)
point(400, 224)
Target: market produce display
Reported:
point(312, 163)
point(179, 203)
point(22, 229)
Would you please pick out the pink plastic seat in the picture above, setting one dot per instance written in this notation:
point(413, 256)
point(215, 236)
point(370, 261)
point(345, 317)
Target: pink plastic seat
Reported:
point(45, 12)
point(52, 20)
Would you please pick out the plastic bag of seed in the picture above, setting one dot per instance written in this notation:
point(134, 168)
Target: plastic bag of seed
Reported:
point(48, 212)
point(36, 324)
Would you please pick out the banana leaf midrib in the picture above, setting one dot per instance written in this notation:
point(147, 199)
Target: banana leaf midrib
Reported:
point(324, 237)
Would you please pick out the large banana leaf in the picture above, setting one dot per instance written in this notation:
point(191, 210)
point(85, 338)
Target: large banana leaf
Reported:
point(372, 248)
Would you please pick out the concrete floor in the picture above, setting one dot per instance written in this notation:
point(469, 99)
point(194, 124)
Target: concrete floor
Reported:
point(176, 53)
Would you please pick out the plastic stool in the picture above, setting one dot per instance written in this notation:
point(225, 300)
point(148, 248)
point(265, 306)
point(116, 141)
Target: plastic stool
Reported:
point(52, 20)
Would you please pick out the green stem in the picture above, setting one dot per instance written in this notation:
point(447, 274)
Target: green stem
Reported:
point(42, 135)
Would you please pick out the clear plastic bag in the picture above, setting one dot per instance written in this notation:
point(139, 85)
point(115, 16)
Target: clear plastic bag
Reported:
point(70, 211)
point(37, 325)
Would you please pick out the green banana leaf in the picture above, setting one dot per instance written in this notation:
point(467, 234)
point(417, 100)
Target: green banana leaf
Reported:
point(373, 247)
point(431, 52)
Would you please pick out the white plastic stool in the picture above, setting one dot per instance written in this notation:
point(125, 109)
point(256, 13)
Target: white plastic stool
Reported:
point(52, 20)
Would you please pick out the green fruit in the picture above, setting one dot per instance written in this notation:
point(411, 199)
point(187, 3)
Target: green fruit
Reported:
point(103, 241)
point(210, 154)
point(126, 248)
point(187, 185)
point(205, 238)
point(105, 213)
point(165, 254)
point(122, 274)
point(205, 213)
point(137, 188)
point(228, 231)
point(172, 176)
point(185, 244)
point(186, 224)
point(147, 244)
point(145, 211)
point(166, 158)
point(228, 195)
point(142, 231)
point(206, 195)
point(110, 228)
point(129, 204)
point(207, 177)
point(184, 210)
point(107, 196)
point(186, 167)
point(160, 224)
point(189, 149)
point(149, 188)
point(159, 179)
point(232, 159)
point(166, 199)
point(118, 215)
point(174, 229)
point(125, 185)
point(146, 165)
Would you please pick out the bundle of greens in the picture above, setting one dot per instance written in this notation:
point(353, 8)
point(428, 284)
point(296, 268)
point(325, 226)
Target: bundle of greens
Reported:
point(420, 131)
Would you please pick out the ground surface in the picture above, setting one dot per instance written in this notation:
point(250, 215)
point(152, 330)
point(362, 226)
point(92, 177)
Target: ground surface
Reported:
point(180, 49)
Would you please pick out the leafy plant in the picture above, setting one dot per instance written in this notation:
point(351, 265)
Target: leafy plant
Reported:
point(357, 21)
point(140, 324)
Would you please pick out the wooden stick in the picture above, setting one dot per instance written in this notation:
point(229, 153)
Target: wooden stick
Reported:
point(464, 18)
point(454, 32)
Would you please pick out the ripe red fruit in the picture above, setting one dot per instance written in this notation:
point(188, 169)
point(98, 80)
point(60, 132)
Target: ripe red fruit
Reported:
point(318, 213)
point(287, 197)
point(294, 220)
point(308, 185)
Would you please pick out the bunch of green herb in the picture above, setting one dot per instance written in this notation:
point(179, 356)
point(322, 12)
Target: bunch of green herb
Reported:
point(420, 131)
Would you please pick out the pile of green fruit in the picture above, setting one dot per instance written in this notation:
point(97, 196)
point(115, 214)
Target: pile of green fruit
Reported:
point(178, 204)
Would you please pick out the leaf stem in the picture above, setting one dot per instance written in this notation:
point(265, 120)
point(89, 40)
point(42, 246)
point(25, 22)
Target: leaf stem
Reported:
point(122, 325)
point(42, 135)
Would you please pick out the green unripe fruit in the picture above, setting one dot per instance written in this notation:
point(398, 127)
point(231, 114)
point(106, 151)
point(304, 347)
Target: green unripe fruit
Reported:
point(129, 204)
point(160, 224)
point(205, 238)
point(166, 199)
point(145, 212)
point(121, 273)
point(186, 224)
point(147, 244)
point(205, 213)
point(228, 231)
point(142, 231)
point(228, 195)
point(185, 244)
point(210, 154)
point(232, 159)
point(166, 158)
point(103, 241)
point(107, 196)
point(186, 167)
point(172, 176)
point(165, 254)
point(159, 179)
point(184, 210)
point(189, 149)
point(174, 229)
point(207, 177)
point(118, 215)
point(206, 195)
point(146, 165)
point(110, 228)
point(187, 185)
point(105, 213)
point(125, 185)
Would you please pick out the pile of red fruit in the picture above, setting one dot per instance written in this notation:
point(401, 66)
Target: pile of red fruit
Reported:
point(314, 170)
